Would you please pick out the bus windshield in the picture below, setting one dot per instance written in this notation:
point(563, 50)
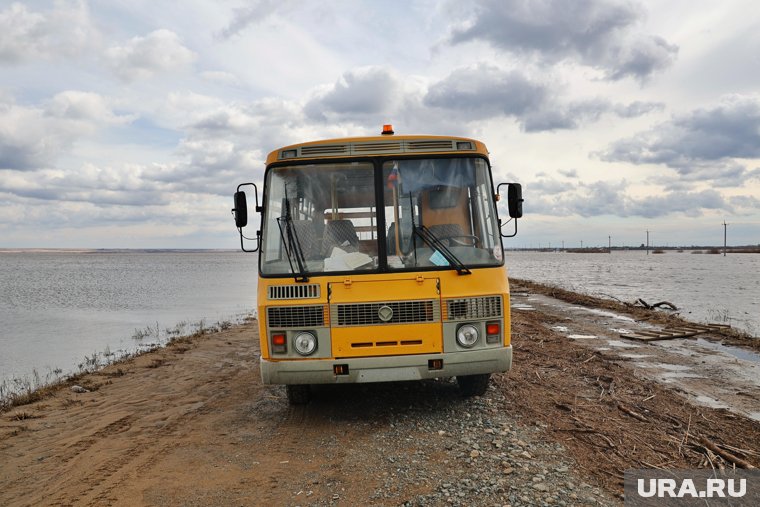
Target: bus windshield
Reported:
point(432, 213)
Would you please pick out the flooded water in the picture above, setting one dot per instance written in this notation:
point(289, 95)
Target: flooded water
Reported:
point(704, 288)
point(58, 308)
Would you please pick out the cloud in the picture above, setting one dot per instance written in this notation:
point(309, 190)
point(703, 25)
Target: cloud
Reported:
point(574, 114)
point(690, 204)
point(30, 140)
point(65, 30)
point(100, 186)
point(597, 33)
point(701, 145)
point(468, 94)
point(613, 198)
point(142, 57)
point(486, 91)
point(84, 106)
point(550, 187)
point(220, 77)
point(361, 92)
point(243, 17)
point(34, 137)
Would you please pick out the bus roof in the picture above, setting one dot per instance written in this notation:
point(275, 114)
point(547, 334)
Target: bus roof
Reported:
point(377, 145)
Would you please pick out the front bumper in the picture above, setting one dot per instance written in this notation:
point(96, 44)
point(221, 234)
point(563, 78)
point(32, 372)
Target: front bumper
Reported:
point(386, 368)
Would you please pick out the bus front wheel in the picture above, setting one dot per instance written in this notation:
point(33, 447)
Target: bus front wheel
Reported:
point(473, 385)
point(298, 394)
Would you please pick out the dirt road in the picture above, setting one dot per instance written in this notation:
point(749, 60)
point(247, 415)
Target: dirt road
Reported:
point(192, 425)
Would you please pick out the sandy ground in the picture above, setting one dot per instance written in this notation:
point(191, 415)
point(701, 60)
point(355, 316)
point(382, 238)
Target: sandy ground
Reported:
point(193, 425)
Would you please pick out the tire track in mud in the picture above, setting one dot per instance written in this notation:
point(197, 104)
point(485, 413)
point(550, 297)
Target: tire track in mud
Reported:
point(72, 451)
point(288, 468)
point(152, 442)
point(90, 449)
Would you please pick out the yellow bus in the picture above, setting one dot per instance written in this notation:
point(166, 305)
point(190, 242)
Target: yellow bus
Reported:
point(380, 259)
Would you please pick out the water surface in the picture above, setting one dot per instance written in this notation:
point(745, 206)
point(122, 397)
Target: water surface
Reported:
point(58, 307)
point(705, 288)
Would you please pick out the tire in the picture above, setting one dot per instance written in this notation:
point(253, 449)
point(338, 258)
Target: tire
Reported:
point(473, 385)
point(299, 394)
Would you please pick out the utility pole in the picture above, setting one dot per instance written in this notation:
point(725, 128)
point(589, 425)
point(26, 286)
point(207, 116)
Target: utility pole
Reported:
point(647, 242)
point(563, 245)
point(609, 244)
point(724, 237)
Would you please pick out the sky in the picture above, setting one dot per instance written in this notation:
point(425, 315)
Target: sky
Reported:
point(129, 124)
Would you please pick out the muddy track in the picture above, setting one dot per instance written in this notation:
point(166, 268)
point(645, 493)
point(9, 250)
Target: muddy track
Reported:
point(192, 425)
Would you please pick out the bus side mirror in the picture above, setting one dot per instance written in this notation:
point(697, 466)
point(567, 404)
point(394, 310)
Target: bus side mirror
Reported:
point(240, 211)
point(514, 204)
point(515, 200)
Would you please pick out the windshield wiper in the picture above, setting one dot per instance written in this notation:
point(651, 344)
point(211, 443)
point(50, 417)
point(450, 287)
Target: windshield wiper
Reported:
point(432, 240)
point(290, 238)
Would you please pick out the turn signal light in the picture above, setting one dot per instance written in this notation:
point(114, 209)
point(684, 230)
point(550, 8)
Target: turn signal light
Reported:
point(493, 332)
point(340, 369)
point(279, 343)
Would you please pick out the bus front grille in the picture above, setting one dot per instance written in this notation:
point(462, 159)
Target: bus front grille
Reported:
point(369, 314)
point(306, 291)
point(298, 317)
point(473, 308)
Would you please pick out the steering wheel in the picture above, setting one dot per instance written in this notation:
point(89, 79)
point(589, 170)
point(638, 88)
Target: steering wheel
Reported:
point(462, 240)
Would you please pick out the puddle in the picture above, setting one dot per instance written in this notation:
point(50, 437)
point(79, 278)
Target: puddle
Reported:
point(737, 352)
point(754, 415)
point(621, 331)
point(676, 375)
point(604, 313)
point(582, 336)
point(710, 402)
point(524, 308)
point(635, 356)
point(602, 349)
point(561, 329)
point(622, 345)
point(664, 366)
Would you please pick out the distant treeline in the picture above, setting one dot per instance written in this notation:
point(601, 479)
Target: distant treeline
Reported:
point(653, 249)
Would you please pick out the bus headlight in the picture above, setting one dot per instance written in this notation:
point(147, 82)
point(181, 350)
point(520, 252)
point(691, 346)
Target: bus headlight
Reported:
point(305, 343)
point(467, 335)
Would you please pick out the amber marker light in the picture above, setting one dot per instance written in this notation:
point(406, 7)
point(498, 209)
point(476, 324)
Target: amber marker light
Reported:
point(387, 130)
